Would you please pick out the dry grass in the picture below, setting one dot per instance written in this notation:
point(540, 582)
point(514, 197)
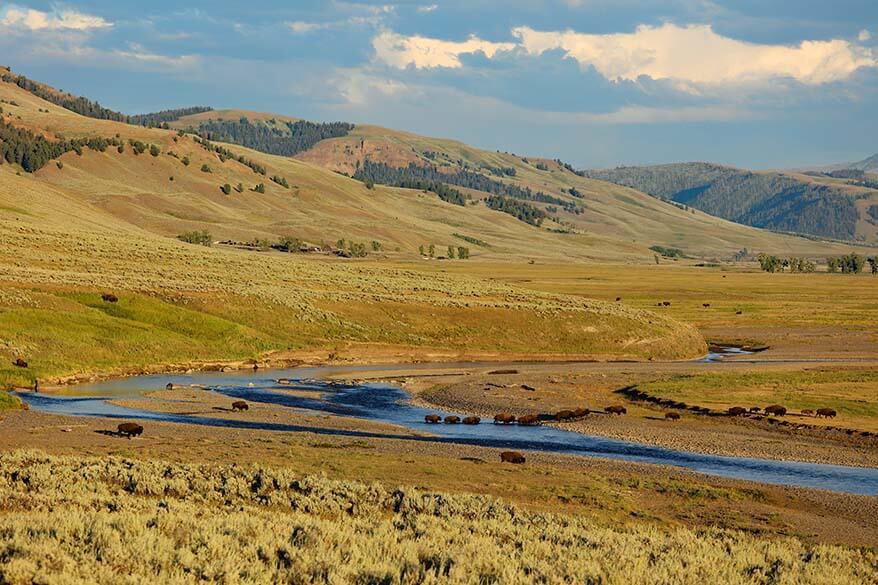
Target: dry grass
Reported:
point(186, 523)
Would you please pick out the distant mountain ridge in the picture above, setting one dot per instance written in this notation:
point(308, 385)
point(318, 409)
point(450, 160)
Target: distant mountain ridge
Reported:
point(869, 165)
point(790, 202)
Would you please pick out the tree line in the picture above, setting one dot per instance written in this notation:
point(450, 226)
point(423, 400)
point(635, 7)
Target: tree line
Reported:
point(162, 118)
point(851, 263)
point(288, 140)
point(517, 209)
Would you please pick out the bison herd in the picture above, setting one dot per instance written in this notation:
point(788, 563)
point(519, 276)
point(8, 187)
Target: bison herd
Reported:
point(527, 420)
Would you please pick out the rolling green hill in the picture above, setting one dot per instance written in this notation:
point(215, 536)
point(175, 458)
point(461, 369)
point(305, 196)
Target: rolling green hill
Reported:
point(785, 202)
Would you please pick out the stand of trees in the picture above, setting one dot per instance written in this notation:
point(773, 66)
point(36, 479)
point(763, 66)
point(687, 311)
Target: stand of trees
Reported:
point(289, 140)
point(851, 263)
point(517, 209)
point(226, 154)
point(415, 174)
point(159, 119)
point(33, 151)
point(202, 238)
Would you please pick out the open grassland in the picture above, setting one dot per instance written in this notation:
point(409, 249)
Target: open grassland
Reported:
point(798, 315)
point(188, 523)
point(180, 302)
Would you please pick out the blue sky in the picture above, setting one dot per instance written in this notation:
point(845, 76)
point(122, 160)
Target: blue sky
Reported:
point(757, 83)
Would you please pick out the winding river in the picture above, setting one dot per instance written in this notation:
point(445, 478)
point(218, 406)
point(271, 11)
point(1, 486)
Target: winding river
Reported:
point(390, 404)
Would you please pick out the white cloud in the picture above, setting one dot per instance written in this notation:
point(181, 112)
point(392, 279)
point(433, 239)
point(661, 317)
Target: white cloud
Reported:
point(864, 36)
point(37, 20)
point(300, 27)
point(696, 54)
point(137, 54)
point(430, 8)
point(425, 53)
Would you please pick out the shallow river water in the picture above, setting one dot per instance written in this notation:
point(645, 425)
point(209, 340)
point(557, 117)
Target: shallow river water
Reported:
point(390, 404)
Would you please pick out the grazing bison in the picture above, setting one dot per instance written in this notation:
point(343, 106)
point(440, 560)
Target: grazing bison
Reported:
point(737, 411)
point(240, 405)
point(739, 312)
point(672, 416)
point(19, 363)
point(511, 457)
point(109, 298)
point(776, 409)
point(581, 412)
point(666, 303)
point(169, 386)
point(616, 410)
point(826, 412)
point(705, 305)
point(529, 420)
point(808, 412)
point(503, 418)
point(472, 420)
point(452, 420)
point(432, 419)
point(564, 415)
point(528, 388)
point(618, 299)
point(755, 409)
point(130, 430)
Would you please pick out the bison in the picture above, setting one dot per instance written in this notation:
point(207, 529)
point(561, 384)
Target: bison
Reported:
point(240, 405)
point(826, 412)
point(504, 418)
point(672, 416)
point(529, 420)
point(169, 386)
point(755, 409)
point(472, 420)
point(666, 303)
point(109, 298)
point(130, 429)
point(775, 409)
point(705, 305)
point(564, 415)
point(581, 412)
point(737, 411)
point(618, 299)
point(452, 420)
point(619, 410)
point(511, 457)
point(432, 419)
point(19, 363)
point(808, 412)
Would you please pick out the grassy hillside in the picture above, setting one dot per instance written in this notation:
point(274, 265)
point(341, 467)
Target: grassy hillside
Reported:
point(613, 222)
point(784, 202)
point(186, 523)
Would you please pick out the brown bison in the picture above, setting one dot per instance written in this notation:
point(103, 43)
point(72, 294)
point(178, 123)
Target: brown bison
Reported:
point(755, 409)
point(581, 412)
point(739, 312)
point(432, 419)
point(672, 416)
point(109, 298)
point(666, 303)
point(529, 420)
point(826, 412)
point(705, 305)
point(169, 386)
point(618, 299)
point(618, 410)
point(808, 412)
point(511, 457)
point(528, 388)
point(737, 411)
point(775, 409)
point(240, 405)
point(452, 420)
point(564, 415)
point(472, 420)
point(19, 363)
point(130, 429)
point(503, 418)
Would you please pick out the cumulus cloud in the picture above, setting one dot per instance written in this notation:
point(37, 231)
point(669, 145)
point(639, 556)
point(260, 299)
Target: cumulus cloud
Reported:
point(697, 54)
point(426, 53)
point(37, 20)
